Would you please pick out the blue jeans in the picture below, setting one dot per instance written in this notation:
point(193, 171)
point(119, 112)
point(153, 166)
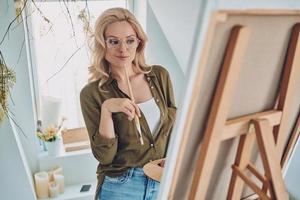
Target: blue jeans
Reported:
point(132, 185)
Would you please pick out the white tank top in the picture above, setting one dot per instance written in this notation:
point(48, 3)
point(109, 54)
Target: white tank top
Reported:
point(151, 113)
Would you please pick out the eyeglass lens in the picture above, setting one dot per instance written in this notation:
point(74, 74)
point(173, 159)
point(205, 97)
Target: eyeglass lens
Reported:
point(130, 42)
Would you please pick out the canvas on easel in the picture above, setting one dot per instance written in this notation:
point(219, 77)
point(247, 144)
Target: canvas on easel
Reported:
point(247, 77)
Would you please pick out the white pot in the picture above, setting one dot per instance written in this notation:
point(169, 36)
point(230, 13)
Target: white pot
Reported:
point(53, 147)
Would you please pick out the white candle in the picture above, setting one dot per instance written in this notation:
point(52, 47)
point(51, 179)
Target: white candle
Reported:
point(58, 170)
point(55, 170)
point(60, 179)
point(41, 184)
point(53, 189)
point(50, 174)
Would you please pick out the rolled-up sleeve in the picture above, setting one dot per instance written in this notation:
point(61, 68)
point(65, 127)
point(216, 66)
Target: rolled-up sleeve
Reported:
point(103, 149)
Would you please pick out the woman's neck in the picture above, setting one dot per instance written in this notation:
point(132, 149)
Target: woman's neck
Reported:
point(118, 73)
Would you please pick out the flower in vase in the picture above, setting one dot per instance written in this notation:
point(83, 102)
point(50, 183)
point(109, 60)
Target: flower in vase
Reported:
point(51, 133)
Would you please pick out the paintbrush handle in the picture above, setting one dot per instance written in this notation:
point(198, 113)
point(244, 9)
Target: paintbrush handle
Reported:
point(129, 86)
point(136, 119)
point(138, 125)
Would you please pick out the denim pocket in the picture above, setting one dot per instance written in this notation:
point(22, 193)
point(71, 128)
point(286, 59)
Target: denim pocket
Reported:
point(119, 179)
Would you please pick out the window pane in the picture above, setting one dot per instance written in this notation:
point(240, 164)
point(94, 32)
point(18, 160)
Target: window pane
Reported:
point(61, 51)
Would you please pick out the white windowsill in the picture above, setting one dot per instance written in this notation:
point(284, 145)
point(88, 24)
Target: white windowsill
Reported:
point(72, 192)
point(44, 155)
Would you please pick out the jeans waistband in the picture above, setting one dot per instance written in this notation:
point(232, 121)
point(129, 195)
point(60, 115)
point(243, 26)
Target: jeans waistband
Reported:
point(136, 171)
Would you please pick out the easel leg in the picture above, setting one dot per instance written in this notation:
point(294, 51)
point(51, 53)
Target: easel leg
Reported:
point(288, 86)
point(242, 159)
point(270, 158)
point(212, 137)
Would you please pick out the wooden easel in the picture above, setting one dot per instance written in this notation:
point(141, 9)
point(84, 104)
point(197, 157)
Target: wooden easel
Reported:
point(268, 128)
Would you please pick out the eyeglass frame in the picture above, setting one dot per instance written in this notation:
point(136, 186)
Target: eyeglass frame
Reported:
point(122, 40)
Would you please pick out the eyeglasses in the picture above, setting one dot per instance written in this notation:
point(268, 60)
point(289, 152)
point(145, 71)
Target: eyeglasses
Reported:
point(131, 42)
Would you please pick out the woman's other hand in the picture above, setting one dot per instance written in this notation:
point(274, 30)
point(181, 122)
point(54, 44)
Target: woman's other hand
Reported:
point(162, 163)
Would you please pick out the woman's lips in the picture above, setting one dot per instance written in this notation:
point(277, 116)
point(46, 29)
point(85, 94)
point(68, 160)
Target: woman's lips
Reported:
point(122, 57)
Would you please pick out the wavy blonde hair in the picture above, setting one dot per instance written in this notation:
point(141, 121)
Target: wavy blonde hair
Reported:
point(100, 66)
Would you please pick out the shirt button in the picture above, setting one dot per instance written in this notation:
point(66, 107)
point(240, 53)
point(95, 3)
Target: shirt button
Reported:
point(152, 87)
point(152, 145)
point(148, 78)
point(157, 100)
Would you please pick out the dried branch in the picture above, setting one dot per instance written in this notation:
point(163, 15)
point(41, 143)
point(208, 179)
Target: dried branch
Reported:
point(7, 81)
point(20, 52)
point(43, 16)
point(14, 121)
point(89, 15)
point(10, 24)
point(11, 99)
point(64, 65)
point(71, 22)
point(41, 13)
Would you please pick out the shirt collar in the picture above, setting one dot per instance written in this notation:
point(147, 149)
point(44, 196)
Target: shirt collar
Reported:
point(111, 79)
point(151, 73)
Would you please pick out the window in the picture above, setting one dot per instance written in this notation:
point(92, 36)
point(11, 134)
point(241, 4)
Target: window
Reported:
point(60, 52)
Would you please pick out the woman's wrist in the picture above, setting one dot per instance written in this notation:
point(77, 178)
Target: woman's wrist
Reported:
point(104, 109)
point(106, 118)
point(108, 136)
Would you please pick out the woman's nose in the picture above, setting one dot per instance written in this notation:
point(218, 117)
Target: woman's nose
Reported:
point(122, 46)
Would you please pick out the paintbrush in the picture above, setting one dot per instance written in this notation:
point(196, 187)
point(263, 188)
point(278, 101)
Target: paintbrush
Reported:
point(136, 119)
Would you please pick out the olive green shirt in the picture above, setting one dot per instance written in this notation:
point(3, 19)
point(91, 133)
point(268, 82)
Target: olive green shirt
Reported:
point(118, 154)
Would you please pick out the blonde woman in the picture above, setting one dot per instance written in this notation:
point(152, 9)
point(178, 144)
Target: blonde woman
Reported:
point(108, 111)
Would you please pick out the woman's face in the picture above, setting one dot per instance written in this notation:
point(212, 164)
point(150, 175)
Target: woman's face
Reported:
point(121, 44)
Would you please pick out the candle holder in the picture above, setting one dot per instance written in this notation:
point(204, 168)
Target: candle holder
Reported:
point(55, 170)
point(53, 189)
point(41, 184)
point(60, 180)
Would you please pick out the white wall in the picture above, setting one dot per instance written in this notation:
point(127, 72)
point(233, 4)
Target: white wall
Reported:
point(178, 21)
point(22, 105)
point(16, 181)
point(159, 51)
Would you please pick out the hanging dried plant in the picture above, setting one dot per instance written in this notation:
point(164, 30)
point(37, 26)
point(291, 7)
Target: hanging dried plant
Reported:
point(19, 5)
point(84, 17)
point(7, 81)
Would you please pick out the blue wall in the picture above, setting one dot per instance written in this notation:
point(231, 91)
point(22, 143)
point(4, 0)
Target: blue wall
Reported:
point(18, 156)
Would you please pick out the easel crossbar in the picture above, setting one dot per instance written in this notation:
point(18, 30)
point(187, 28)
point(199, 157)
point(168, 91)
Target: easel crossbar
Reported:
point(250, 183)
point(239, 126)
point(254, 171)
